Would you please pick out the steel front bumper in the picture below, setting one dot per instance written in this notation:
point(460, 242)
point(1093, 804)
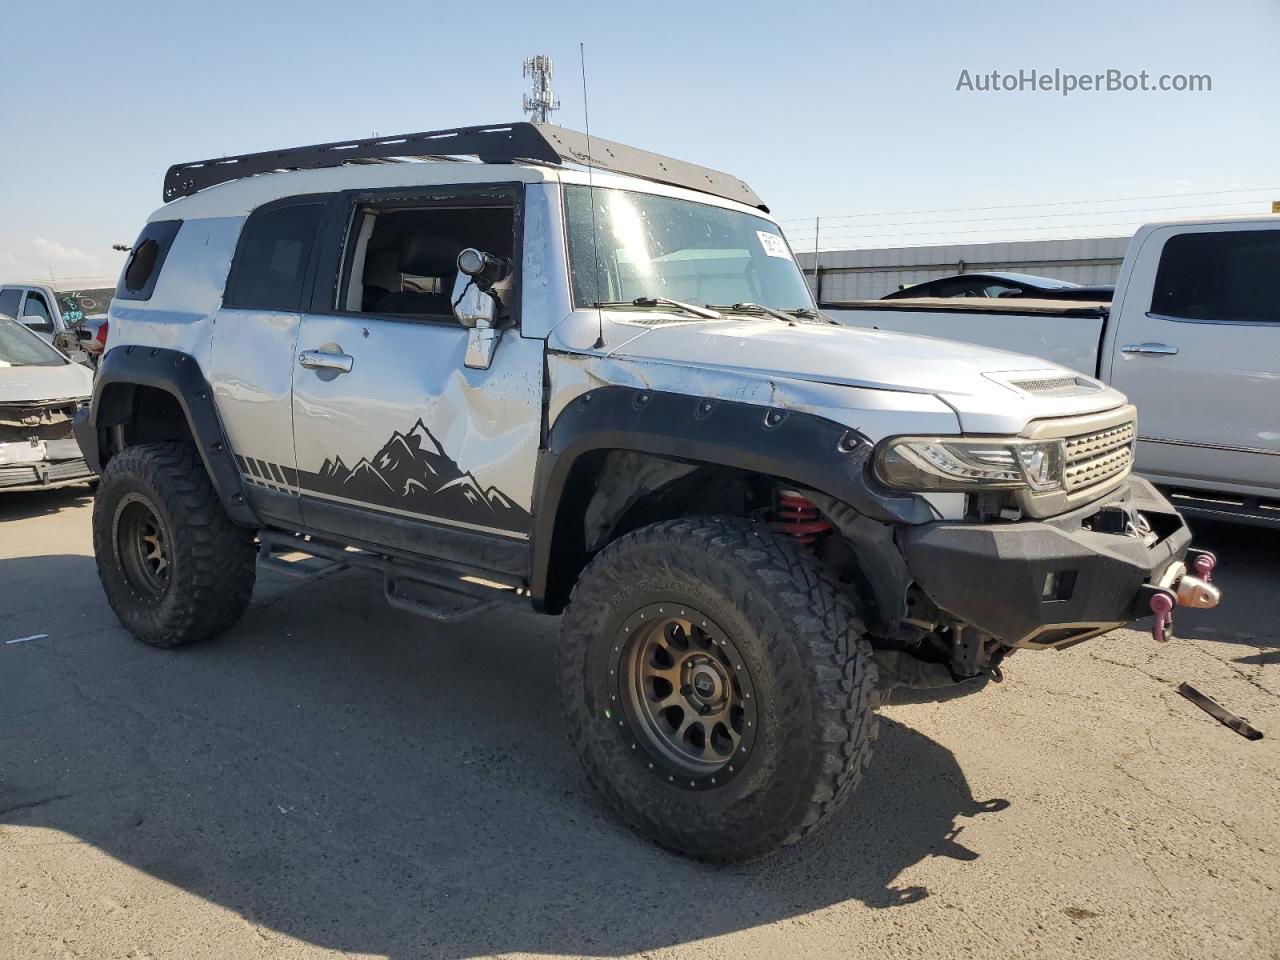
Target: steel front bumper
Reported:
point(1054, 582)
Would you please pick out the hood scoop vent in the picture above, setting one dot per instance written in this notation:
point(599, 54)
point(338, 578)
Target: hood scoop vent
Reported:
point(1056, 386)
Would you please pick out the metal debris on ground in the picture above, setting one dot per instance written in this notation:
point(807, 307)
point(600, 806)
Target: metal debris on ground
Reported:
point(1220, 713)
point(34, 636)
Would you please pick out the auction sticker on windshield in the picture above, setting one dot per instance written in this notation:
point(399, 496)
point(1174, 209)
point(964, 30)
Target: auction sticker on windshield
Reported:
point(773, 244)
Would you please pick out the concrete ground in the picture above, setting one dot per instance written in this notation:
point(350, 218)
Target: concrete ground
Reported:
point(334, 777)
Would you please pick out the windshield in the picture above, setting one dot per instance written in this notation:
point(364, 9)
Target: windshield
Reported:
point(660, 247)
point(78, 304)
point(19, 347)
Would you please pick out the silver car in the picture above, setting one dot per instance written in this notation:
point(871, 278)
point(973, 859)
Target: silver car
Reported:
point(40, 392)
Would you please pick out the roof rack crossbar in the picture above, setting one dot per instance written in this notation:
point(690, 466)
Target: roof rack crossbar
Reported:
point(491, 144)
point(498, 143)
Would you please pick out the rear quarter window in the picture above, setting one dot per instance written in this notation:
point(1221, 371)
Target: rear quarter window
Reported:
point(273, 256)
point(145, 260)
point(78, 304)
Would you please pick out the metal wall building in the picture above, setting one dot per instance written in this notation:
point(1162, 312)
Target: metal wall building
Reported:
point(870, 274)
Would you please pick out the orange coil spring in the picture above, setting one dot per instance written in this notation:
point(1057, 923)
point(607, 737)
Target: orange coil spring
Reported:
point(798, 518)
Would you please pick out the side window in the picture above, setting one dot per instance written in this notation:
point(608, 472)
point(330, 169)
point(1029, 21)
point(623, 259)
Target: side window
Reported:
point(270, 267)
point(404, 260)
point(960, 288)
point(9, 300)
point(1219, 277)
point(35, 313)
point(142, 268)
point(1001, 290)
point(78, 304)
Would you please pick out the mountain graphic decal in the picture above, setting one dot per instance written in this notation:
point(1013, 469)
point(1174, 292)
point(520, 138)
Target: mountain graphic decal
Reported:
point(412, 472)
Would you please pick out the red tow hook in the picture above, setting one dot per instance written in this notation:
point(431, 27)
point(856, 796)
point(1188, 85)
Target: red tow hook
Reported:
point(1188, 590)
point(1162, 604)
point(1204, 565)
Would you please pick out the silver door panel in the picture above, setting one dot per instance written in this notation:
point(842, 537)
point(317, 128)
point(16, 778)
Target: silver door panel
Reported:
point(1253, 471)
point(251, 372)
point(410, 432)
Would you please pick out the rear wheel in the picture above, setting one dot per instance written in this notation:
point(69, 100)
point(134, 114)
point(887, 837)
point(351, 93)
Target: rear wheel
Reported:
point(718, 689)
point(174, 567)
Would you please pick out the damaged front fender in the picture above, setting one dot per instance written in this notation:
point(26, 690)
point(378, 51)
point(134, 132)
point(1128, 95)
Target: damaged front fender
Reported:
point(800, 448)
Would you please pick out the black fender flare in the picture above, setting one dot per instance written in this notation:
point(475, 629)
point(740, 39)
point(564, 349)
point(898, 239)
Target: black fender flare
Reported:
point(177, 374)
point(802, 448)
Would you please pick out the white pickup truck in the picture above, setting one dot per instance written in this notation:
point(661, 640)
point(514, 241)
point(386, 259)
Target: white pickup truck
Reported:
point(1192, 336)
point(69, 314)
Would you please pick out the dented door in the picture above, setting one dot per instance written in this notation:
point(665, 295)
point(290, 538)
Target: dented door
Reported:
point(409, 433)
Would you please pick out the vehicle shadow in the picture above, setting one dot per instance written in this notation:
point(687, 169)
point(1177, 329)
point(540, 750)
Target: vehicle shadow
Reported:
point(363, 780)
point(1248, 573)
point(29, 504)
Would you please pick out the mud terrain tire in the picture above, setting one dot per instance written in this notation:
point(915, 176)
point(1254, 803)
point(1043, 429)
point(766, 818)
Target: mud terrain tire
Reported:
point(774, 626)
point(174, 567)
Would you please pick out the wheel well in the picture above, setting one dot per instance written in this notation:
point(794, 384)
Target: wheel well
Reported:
point(609, 493)
point(130, 414)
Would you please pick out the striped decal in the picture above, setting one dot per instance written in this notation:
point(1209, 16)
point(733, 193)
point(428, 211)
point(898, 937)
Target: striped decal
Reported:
point(268, 476)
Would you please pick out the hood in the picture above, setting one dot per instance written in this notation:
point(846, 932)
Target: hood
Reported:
point(979, 383)
point(64, 382)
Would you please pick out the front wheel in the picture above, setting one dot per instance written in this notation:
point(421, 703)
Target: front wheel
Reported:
point(717, 686)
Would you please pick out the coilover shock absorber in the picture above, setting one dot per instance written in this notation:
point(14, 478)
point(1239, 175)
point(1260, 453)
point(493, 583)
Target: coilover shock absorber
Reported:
point(795, 516)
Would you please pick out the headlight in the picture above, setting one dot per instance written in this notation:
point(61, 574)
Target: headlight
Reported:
point(952, 463)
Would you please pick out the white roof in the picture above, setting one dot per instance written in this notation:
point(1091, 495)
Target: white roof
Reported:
point(1268, 220)
point(65, 284)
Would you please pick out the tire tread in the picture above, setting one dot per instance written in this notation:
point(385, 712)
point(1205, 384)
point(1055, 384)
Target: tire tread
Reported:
point(836, 715)
point(215, 582)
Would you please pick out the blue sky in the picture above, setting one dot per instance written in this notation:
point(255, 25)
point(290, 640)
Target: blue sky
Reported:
point(843, 109)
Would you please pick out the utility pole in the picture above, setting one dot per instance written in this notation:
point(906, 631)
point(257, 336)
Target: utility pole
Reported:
point(817, 277)
point(543, 101)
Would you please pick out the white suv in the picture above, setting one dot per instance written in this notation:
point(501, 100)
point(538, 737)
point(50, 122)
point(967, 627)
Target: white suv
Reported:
point(465, 361)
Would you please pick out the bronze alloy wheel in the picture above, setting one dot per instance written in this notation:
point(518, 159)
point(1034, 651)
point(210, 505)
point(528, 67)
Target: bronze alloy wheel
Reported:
point(684, 695)
point(142, 546)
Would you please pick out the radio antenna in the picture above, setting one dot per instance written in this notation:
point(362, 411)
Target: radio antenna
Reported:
point(591, 193)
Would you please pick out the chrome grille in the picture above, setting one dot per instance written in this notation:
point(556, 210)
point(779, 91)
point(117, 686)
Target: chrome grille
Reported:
point(1097, 458)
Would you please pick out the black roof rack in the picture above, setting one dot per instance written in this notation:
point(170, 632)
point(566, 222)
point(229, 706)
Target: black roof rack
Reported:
point(501, 143)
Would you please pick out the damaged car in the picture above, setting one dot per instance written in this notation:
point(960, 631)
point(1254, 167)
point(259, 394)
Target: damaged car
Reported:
point(40, 392)
point(502, 380)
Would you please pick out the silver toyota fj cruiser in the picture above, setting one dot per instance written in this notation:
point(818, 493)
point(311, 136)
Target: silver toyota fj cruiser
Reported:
point(512, 364)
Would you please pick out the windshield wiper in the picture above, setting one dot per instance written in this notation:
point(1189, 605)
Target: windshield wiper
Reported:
point(689, 308)
point(755, 308)
point(807, 313)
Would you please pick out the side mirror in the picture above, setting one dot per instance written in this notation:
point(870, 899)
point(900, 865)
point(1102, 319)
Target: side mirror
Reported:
point(475, 301)
point(472, 307)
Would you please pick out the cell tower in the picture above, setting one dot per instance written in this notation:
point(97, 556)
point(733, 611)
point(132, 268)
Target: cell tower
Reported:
point(543, 101)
